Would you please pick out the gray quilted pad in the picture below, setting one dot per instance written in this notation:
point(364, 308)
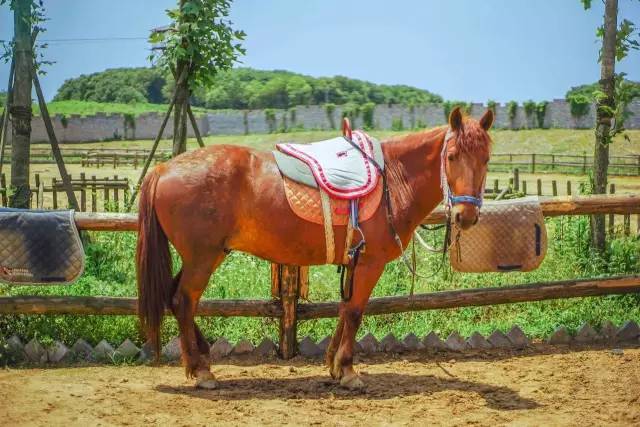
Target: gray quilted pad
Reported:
point(39, 247)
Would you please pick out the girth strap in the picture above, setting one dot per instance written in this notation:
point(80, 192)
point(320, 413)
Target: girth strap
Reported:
point(328, 226)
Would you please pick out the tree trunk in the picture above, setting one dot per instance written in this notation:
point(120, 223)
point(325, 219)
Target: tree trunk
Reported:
point(21, 106)
point(180, 114)
point(603, 118)
point(182, 97)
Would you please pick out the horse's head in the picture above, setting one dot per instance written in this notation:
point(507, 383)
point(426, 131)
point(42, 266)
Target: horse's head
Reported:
point(465, 155)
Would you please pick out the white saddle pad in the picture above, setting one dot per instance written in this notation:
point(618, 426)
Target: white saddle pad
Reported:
point(339, 168)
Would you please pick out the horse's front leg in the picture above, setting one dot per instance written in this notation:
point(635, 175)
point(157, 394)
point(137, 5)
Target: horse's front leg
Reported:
point(366, 277)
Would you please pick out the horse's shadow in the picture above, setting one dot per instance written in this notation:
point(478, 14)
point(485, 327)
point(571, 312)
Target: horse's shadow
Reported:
point(380, 387)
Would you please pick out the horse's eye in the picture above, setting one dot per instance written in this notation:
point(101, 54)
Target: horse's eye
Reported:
point(451, 157)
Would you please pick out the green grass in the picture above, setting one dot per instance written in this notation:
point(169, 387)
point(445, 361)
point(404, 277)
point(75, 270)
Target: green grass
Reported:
point(111, 271)
point(89, 108)
point(547, 141)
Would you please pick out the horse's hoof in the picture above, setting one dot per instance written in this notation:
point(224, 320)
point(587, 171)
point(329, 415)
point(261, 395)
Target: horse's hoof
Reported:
point(352, 382)
point(206, 381)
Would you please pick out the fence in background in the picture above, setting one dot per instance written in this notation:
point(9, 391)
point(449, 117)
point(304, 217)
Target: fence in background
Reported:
point(94, 194)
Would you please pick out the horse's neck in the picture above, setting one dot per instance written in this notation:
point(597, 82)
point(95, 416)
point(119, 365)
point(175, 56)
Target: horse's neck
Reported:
point(413, 171)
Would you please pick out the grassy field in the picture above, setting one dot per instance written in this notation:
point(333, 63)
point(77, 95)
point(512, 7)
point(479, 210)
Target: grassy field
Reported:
point(111, 271)
point(548, 141)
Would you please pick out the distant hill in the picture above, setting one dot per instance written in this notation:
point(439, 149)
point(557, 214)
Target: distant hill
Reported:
point(238, 89)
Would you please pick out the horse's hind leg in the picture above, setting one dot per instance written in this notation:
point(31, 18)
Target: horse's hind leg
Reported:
point(195, 349)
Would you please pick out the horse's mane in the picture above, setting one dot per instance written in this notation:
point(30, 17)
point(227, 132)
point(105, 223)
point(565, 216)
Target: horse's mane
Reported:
point(472, 139)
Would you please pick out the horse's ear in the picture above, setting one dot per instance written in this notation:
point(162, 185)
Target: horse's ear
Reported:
point(455, 119)
point(487, 119)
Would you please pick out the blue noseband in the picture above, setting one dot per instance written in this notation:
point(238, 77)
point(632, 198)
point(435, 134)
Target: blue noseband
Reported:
point(476, 201)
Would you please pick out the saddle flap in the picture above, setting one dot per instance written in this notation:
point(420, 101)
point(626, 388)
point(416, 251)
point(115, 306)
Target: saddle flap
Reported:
point(335, 165)
point(510, 236)
point(39, 247)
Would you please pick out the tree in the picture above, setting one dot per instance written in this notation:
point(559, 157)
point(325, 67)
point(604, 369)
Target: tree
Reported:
point(198, 45)
point(616, 44)
point(20, 109)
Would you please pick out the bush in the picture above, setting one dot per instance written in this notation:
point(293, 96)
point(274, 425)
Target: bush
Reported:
point(397, 124)
point(512, 110)
point(367, 115)
point(529, 108)
point(491, 105)
point(330, 108)
point(541, 111)
point(579, 105)
point(270, 118)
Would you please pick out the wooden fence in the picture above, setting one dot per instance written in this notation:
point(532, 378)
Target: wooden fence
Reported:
point(563, 163)
point(95, 194)
point(288, 280)
point(531, 162)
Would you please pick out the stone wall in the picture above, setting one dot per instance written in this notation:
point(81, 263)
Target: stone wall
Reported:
point(104, 127)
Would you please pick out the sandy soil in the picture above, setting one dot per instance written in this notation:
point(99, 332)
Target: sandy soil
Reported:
point(541, 386)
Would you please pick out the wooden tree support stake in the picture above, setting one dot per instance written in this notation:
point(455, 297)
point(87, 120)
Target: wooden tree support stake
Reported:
point(55, 147)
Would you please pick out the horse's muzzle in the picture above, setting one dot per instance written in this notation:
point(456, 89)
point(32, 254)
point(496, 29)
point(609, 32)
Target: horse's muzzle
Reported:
point(465, 215)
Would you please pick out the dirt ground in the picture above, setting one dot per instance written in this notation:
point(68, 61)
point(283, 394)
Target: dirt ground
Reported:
point(540, 386)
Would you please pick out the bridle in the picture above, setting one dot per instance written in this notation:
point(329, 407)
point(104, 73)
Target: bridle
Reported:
point(449, 198)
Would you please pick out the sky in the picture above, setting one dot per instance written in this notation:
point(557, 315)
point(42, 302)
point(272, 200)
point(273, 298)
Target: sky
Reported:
point(461, 49)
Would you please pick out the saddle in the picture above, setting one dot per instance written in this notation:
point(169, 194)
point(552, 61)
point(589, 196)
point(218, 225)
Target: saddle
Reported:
point(333, 183)
point(334, 165)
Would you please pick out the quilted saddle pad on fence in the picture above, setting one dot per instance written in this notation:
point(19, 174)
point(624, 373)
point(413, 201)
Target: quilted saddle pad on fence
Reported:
point(39, 247)
point(335, 165)
point(305, 203)
point(509, 236)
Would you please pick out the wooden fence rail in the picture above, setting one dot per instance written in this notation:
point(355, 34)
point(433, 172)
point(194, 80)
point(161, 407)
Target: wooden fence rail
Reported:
point(288, 283)
point(79, 305)
point(566, 163)
point(551, 207)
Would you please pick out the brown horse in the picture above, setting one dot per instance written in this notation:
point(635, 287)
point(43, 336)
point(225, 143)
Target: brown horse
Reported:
point(222, 198)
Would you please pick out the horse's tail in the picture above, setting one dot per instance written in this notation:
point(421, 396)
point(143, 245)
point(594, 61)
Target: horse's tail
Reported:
point(153, 261)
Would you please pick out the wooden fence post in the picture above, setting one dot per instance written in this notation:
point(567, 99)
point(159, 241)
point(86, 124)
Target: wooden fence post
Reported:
point(83, 192)
point(94, 194)
point(37, 179)
point(612, 190)
point(285, 283)
point(533, 163)
point(3, 189)
point(554, 187)
point(516, 179)
point(496, 186)
point(568, 188)
point(116, 197)
point(553, 161)
point(584, 162)
point(54, 193)
point(524, 187)
point(627, 224)
point(539, 185)
point(106, 195)
point(639, 165)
